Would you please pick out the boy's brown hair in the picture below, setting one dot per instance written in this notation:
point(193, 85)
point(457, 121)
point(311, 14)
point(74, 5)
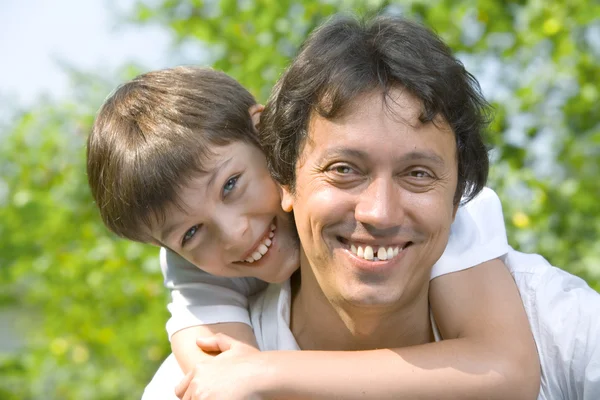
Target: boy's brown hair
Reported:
point(153, 134)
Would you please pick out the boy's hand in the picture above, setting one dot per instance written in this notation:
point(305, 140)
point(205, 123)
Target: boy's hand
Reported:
point(231, 375)
point(225, 345)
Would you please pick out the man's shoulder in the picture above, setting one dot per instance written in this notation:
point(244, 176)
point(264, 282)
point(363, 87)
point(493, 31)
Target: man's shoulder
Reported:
point(564, 314)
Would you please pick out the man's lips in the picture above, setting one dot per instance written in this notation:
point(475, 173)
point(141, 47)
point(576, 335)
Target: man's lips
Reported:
point(374, 250)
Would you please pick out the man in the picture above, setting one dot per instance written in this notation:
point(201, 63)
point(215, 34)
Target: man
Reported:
point(375, 144)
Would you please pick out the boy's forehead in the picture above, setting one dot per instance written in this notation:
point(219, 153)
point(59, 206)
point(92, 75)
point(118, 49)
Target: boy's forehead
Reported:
point(198, 183)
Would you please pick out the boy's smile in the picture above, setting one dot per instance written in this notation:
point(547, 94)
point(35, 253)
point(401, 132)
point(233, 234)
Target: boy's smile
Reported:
point(229, 220)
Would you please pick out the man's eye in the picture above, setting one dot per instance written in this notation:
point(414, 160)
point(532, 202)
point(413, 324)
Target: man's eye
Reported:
point(419, 173)
point(341, 169)
point(189, 234)
point(230, 185)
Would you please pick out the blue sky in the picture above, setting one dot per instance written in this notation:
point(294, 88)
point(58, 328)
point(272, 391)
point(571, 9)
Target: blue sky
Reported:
point(35, 34)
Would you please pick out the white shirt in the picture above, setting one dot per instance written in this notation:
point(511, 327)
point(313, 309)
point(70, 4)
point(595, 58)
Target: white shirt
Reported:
point(564, 314)
point(270, 317)
point(563, 311)
point(198, 298)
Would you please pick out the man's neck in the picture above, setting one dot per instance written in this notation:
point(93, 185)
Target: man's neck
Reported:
point(318, 324)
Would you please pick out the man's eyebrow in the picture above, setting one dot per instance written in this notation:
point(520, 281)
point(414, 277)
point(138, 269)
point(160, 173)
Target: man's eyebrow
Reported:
point(424, 155)
point(344, 152)
point(363, 155)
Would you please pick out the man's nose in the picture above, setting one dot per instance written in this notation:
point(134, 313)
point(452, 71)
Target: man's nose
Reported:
point(379, 205)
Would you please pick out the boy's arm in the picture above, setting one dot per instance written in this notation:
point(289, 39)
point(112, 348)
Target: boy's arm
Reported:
point(188, 354)
point(489, 353)
point(203, 305)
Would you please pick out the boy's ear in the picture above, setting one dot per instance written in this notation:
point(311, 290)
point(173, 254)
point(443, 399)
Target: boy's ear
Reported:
point(255, 111)
point(154, 242)
point(287, 199)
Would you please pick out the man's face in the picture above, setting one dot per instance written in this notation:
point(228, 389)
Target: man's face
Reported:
point(374, 200)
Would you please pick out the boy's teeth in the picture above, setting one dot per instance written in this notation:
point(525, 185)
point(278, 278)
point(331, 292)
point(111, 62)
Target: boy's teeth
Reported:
point(263, 247)
point(368, 252)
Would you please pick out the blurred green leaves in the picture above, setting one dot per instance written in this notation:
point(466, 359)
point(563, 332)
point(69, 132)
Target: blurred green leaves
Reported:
point(93, 305)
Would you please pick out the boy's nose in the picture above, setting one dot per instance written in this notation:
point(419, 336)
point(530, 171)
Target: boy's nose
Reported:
point(233, 231)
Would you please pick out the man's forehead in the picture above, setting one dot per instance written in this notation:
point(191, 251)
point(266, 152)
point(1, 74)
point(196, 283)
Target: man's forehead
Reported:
point(395, 117)
point(356, 152)
point(335, 106)
point(356, 136)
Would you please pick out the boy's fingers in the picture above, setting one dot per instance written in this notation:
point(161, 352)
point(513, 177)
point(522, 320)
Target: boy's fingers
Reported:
point(216, 343)
point(208, 344)
point(182, 387)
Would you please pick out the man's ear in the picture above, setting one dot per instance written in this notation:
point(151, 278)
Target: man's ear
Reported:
point(255, 111)
point(287, 199)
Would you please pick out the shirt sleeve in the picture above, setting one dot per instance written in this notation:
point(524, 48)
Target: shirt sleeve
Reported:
point(162, 385)
point(564, 314)
point(199, 298)
point(477, 235)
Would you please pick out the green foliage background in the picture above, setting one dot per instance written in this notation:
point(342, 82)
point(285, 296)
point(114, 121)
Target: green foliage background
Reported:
point(91, 307)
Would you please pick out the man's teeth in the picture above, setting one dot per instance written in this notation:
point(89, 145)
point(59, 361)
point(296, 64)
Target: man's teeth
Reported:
point(263, 247)
point(368, 253)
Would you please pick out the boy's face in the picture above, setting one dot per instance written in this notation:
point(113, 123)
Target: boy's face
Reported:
point(231, 222)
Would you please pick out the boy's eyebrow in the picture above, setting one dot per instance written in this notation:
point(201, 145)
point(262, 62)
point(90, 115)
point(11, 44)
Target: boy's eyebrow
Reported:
point(216, 171)
point(168, 230)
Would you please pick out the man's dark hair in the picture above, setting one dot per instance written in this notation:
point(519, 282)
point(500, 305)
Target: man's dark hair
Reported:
point(153, 134)
point(346, 58)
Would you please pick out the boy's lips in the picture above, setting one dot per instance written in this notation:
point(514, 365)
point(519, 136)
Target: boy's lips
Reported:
point(261, 246)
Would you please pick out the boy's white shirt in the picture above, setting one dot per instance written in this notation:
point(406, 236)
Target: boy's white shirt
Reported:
point(563, 311)
point(477, 235)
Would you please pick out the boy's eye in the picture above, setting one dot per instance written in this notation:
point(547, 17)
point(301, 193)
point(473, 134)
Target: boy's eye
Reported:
point(230, 185)
point(189, 234)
